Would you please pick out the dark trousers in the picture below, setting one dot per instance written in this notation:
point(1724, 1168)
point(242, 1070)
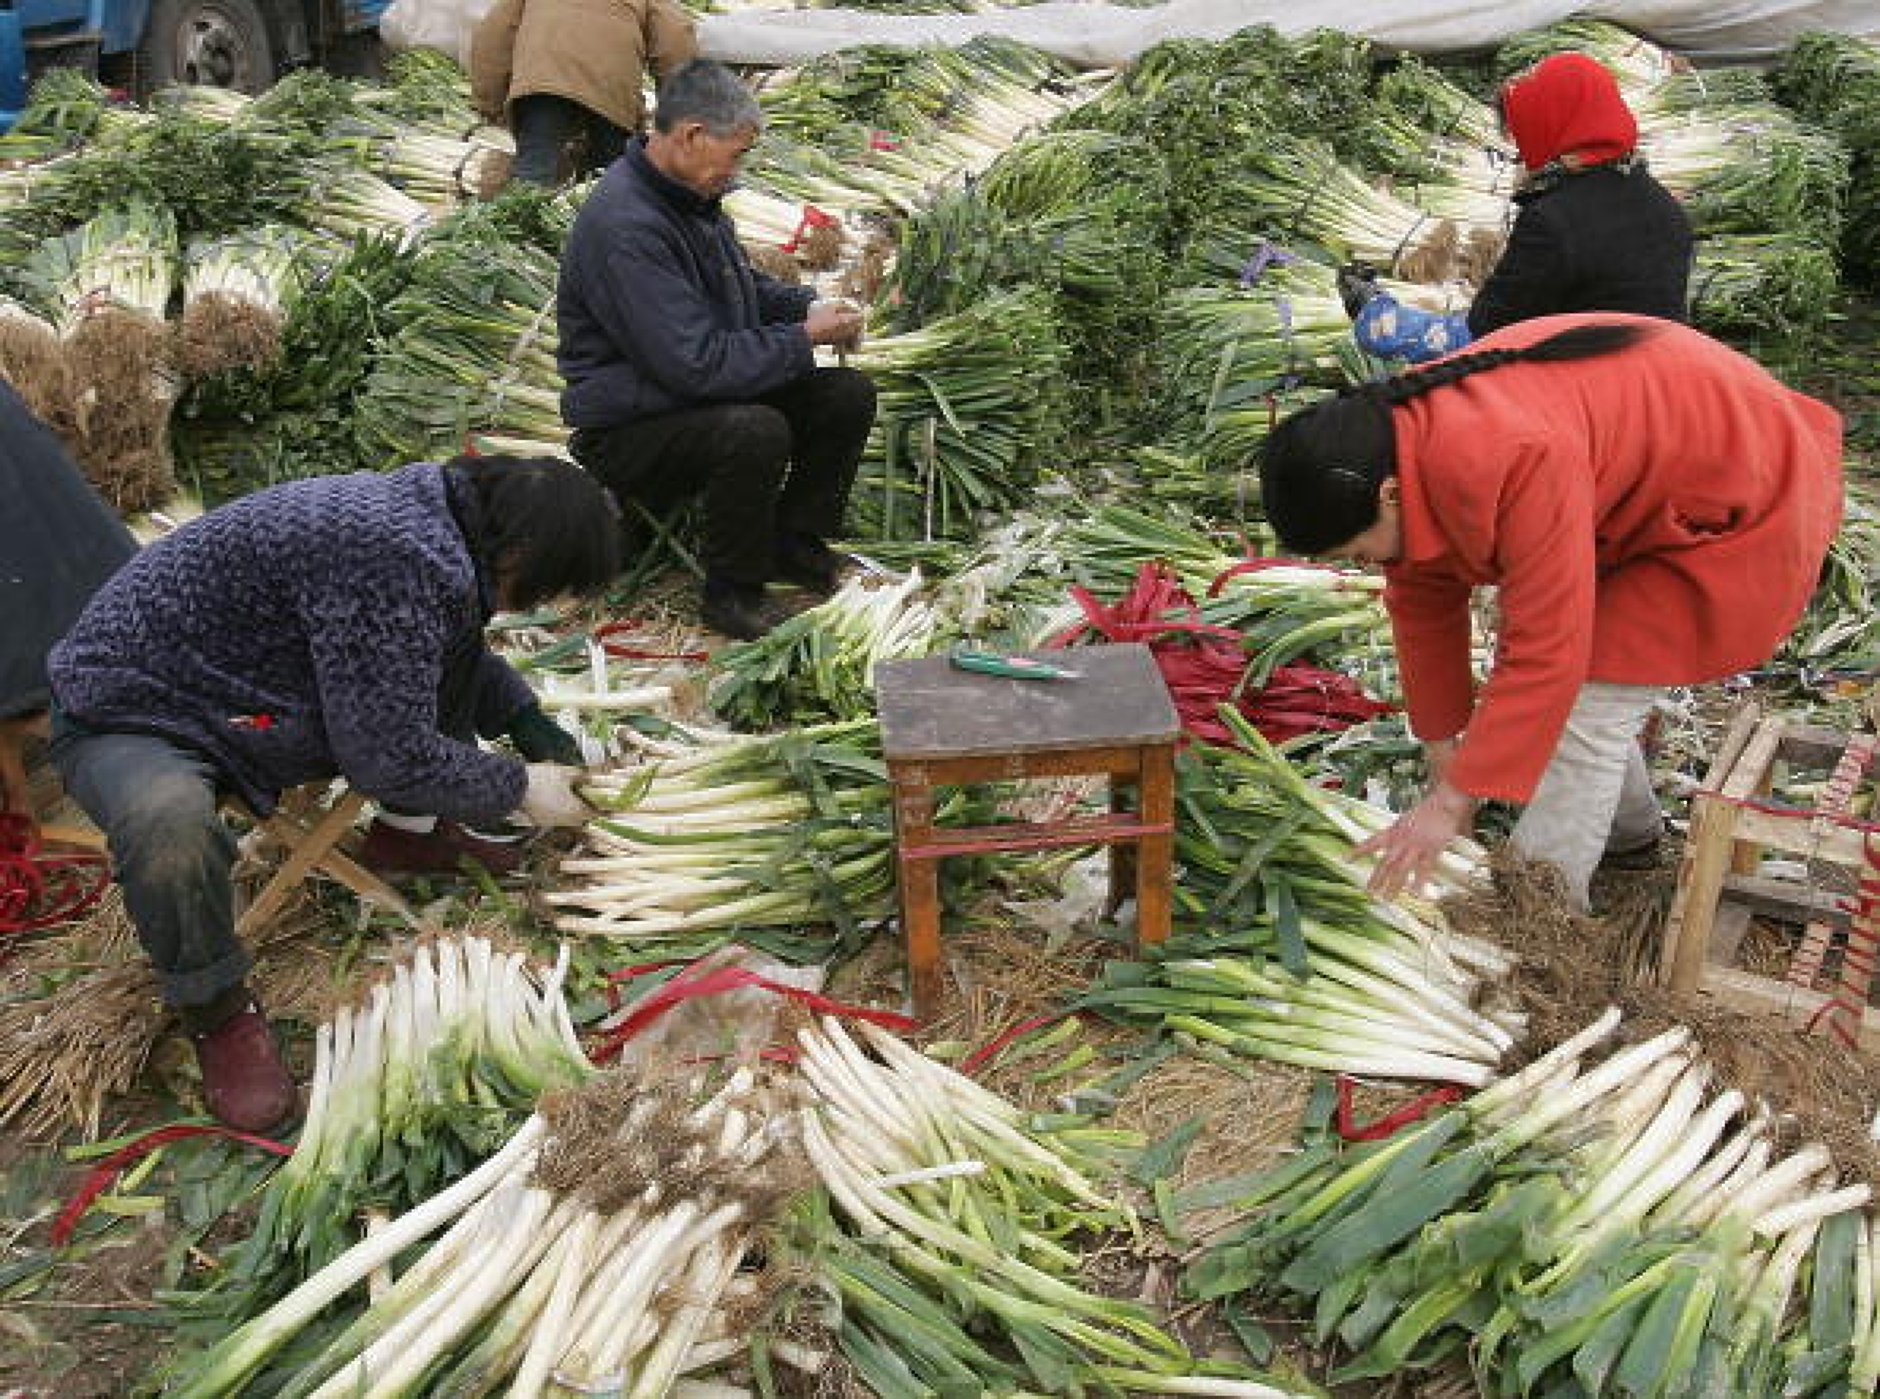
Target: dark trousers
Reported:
point(778, 467)
point(156, 802)
point(557, 140)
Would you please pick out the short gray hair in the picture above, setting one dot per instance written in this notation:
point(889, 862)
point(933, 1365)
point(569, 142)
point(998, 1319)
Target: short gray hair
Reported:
point(710, 93)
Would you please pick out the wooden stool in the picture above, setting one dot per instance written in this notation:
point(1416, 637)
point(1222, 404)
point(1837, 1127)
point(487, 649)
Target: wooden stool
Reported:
point(943, 726)
point(313, 843)
point(1719, 886)
point(37, 792)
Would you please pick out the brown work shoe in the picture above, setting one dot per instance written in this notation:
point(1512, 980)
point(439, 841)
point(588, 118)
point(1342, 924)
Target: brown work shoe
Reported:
point(440, 850)
point(244, 1082)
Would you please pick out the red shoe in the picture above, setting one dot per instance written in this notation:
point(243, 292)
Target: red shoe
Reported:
point(244, 1082)
point(440, 850)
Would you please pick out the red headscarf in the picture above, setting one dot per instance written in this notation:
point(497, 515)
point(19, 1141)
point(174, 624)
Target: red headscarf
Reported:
point(1568, 102)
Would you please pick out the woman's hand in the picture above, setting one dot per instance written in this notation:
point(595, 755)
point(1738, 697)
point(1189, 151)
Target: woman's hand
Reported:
point(1407, 851)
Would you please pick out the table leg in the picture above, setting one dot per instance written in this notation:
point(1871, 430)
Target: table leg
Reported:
point(1155, 855)
point(920, 888)
point(1122, 852)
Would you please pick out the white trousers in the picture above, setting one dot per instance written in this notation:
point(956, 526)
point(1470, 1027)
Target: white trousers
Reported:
point(1596, 794)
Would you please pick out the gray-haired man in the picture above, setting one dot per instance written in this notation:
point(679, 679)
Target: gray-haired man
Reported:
point(691, 373)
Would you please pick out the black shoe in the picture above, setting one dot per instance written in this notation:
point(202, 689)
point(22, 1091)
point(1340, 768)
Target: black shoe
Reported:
point(741, 613)
point(810, 564)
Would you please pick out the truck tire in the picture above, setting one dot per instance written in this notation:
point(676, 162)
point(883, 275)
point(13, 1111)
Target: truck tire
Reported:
point(217, 43)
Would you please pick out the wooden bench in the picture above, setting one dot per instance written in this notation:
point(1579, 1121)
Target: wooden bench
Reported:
point(942, 726)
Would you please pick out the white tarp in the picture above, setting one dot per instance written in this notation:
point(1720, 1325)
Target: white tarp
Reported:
point(1105, 36)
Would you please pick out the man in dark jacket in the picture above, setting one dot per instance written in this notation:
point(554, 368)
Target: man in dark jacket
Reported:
point(58, 543)
point(329, 627)
point(690, 373)
point(1595, 231)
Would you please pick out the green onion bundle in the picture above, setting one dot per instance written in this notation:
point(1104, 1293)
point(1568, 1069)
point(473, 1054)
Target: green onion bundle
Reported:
point(820, 664)
point(1638, 63)
point(339, 197)
point(238, 293)
point(1751, 170)
point(33, 363)
point(1298, 188)
point(1842, 620)
point(108, 285)
point(969, 405)
point(438, 170)
point(1613, 1229)
point(1834, 81)
point(736, 838)
point(1286, 957)
point(1225, 348)
point(595, 1252)
point(475, 352)
point(426, 1075)
point(948, 1242)
point(1774, 287)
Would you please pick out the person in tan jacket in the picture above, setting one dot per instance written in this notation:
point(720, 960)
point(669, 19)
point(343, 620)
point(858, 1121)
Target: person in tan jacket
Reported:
point(565, 75)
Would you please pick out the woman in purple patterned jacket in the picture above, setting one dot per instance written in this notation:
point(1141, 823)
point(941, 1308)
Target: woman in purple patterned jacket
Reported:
point(321, 628)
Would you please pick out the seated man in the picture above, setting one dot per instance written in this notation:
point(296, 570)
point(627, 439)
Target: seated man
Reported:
point(321, 628)
point(689, 372)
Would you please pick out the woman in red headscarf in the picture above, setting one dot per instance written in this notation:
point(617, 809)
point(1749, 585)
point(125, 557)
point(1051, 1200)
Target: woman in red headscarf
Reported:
point(1595, 233)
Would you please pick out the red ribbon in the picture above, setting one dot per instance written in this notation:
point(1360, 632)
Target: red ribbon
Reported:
point(633, 653)
point(979, 1057)
point(99, 1178)
point(39, 890)
point(1414, 1110)
point(686, 986)
point(813, 218)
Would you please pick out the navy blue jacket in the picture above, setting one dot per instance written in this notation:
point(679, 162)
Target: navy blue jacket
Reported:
point(58, 543)
point(659, 309)
point(307, 631)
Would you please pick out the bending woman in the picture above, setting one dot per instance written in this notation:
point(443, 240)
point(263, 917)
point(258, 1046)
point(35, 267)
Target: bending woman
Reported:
point(1654, 508)
point(1595, 233)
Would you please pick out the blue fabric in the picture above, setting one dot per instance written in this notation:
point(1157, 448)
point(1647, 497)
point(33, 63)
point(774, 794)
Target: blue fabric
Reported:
point(312, 629)
point(659, 309)
point(1393, 331)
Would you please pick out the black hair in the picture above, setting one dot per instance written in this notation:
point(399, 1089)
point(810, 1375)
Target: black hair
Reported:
point(1322, 468)
point(546, 525)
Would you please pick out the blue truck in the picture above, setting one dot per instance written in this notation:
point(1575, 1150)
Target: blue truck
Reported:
point(142, 45)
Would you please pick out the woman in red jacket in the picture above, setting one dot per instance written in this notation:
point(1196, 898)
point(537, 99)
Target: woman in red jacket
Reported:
point(1653, 507)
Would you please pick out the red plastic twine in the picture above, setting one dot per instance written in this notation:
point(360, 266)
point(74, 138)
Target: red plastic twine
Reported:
point(813, 219)
point(686, 986)
point(99, 1178)
point(1413, 1111)
point(1203, 663)
point(977, 1060)
point(622, 652)
point(39, 890)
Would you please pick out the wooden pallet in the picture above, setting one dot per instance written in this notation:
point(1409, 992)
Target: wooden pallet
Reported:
point(1719, 887)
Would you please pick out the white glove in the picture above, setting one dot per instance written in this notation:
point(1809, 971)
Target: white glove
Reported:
point(550, 799)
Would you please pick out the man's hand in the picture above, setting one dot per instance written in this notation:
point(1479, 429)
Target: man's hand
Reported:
point(551, 799)
point(833, 323)
point(1408, 850)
